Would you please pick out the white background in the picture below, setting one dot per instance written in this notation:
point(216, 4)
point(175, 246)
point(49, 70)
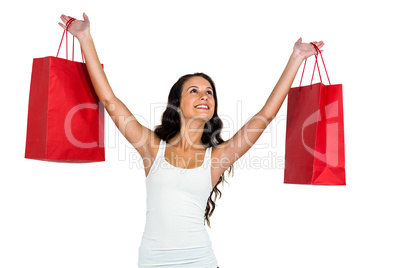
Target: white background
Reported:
point(93, 215)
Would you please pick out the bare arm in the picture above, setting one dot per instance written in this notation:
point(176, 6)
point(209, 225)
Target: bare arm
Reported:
point(95, 70)
point(227, 153)
point(132, 130)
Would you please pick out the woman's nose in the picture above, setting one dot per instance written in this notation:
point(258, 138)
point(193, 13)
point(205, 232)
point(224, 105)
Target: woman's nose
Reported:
point(204, 97)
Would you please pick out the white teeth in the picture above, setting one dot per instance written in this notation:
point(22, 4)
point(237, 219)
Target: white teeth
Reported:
point(201, 106)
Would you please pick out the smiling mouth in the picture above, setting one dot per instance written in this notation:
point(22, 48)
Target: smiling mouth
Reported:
point(202, 106)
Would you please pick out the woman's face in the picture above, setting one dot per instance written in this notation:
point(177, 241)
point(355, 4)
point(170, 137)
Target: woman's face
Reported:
point(197, 100)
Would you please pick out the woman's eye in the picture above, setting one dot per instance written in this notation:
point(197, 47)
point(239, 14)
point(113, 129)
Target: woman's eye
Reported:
point(195, 90)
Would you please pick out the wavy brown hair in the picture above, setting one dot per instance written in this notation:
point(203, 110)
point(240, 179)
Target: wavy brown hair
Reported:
point(211, 136)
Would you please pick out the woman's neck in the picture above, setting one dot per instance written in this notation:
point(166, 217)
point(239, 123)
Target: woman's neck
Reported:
point(189, 136)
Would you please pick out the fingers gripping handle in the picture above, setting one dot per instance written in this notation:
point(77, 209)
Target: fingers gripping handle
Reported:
point(66, 33)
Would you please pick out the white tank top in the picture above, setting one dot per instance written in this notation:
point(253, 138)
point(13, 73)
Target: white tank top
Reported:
point(175, 234)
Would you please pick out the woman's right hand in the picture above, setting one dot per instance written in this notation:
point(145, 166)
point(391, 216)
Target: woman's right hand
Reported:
point(78, 28)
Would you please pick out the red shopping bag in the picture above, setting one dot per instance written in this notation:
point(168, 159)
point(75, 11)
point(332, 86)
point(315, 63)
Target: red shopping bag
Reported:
point(315, 150)
point(65, 117)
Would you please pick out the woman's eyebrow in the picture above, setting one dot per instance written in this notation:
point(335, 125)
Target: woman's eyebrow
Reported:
point(197, 87)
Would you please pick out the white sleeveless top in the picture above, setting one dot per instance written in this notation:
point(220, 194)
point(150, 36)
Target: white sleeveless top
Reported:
point(175, 234)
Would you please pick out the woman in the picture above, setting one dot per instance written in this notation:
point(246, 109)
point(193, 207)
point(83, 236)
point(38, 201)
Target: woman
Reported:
point(185, 157)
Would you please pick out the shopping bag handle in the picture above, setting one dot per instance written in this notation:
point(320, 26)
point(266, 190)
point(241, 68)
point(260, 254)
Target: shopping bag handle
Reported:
point(66, 33)
point(318, 68)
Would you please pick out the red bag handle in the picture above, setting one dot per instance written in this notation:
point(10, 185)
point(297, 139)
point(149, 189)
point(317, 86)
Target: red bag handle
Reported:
point(316, 63)
point(66, 32)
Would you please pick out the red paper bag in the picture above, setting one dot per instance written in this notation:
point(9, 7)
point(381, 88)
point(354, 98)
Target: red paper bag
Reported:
point(65, 117)
point(315, 149)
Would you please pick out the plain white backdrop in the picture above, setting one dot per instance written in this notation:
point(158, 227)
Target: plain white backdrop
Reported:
point(93, 215)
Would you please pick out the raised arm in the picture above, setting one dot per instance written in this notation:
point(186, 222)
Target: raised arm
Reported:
point(228, 152)
point(138, 135)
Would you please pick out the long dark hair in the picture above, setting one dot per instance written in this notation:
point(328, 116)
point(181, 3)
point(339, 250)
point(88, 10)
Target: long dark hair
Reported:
point(211, 136)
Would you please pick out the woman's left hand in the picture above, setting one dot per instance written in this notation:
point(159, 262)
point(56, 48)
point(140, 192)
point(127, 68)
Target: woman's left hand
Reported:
point(306, 50)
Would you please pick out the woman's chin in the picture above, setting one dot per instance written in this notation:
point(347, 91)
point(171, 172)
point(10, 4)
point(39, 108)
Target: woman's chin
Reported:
point(202, 116)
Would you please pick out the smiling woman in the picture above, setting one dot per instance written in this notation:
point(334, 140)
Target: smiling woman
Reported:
point(186, 95)
point(179, 187)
